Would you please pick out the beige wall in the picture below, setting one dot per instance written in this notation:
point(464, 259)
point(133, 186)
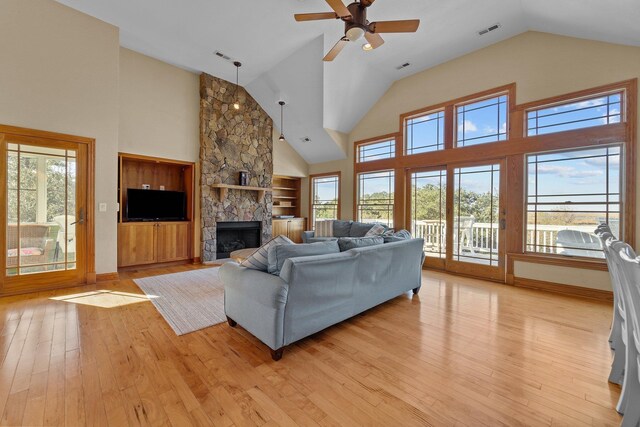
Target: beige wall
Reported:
point(59, 73)
point(159, 108)
point(541, 65)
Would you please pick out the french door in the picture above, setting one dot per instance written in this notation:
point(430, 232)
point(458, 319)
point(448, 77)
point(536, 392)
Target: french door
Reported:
point(459, 211)
point(44, 196)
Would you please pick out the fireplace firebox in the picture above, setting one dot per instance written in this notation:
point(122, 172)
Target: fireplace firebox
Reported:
point(234, 235)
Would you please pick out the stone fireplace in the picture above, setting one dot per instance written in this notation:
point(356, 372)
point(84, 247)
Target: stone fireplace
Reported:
point(232, 141)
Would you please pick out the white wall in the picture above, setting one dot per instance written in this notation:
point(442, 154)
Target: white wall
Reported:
point(59, 73)
point(542, 65)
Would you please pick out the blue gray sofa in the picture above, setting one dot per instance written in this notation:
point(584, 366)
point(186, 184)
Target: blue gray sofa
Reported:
point(340, 229)
point(314, 292)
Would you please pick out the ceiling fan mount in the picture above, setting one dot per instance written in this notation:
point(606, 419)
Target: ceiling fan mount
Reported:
point(356, 24)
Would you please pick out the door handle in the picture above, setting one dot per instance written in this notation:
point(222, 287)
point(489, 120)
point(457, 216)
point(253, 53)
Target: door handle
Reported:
point(503, 224)
point(80, 219)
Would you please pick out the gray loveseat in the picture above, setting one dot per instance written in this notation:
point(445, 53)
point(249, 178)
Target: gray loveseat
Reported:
point(340, 229)
point(314, 292)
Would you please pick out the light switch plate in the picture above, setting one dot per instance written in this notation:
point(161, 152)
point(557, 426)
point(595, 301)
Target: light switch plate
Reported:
point(102, 207)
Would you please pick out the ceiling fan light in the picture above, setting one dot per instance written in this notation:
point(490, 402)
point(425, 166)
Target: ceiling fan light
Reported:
point(367, 47)
point(354, 33)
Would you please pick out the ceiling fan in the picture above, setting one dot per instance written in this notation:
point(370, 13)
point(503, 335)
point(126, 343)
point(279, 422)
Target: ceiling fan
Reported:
point(356, 24)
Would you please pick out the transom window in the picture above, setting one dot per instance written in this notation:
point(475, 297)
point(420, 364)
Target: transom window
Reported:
point(482, 121)
point(424, 133)
point(375, 197)
point(568, 194)
point(377, 150)
point(595, 111)
point(325, 198)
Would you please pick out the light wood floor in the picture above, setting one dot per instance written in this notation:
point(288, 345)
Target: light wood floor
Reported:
point(464, 352)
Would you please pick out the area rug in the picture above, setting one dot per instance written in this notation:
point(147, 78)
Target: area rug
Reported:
point(188, 301)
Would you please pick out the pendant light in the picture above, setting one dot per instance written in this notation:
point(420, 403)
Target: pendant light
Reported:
point(281, 120)
point(236, 103)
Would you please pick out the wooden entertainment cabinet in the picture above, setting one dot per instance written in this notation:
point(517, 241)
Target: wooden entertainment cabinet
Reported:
point(154, 242)
point(287, 201)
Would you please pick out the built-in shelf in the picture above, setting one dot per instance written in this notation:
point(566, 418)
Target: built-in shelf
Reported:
point(285, 188)
point(224, 189)
point(284, 197)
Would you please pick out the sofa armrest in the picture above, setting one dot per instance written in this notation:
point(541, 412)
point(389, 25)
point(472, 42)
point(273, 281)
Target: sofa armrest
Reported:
point(256, 300)
point(306, 235)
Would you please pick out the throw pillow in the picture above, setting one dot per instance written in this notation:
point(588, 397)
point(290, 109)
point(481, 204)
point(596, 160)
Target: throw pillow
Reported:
point(259, 260)
point(347, 243)
point(403, 234)
point(359, 229)
point(278, 254)
point(324, 228)
point(376, 230)
point(341, 228)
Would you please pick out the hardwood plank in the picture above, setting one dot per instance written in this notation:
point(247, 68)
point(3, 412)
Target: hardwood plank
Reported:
point(463, 352)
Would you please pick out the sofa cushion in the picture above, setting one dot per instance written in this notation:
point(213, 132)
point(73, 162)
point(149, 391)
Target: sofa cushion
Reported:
point(324, 228)
point(278, 254)
point(259, 260)
point(398, 236)
point(346, 243)
point(359, 229)
point(320, 239)
point(376, 230)
point(341, 228)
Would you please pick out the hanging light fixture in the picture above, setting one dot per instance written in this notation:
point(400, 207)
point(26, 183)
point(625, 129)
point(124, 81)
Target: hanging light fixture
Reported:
point(281, 117)
point(236, 103)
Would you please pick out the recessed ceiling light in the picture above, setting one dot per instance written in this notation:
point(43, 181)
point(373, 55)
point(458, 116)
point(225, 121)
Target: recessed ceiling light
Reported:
point(367, 46)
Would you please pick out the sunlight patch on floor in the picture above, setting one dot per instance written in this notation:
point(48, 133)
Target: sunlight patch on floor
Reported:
point(104, 298)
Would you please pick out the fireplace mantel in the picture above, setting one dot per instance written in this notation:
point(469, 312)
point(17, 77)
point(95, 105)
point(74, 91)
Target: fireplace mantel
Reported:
point(224, 188)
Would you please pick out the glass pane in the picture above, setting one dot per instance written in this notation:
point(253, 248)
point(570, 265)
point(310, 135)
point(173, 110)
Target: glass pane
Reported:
point(377, 151)
point(69, 226)
point(481, 122)
point(38, 181)
point(428, 210)
point(325, 199)
point(601, 110)
point(476, 214)
point(375, 197)
point(569, 193)
point(425, 133)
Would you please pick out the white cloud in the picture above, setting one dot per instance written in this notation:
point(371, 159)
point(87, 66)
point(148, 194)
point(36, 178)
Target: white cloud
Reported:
point(567, 171)
point(469, 126)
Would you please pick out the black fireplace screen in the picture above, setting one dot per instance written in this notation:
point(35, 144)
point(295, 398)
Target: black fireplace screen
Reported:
point(232, 236)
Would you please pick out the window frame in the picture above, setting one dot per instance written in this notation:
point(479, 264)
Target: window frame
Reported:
point(513, 150)
point(391, 138)
point(357, 193)
point(496, 95)
point(621, 199)
point(405, 120)
point(622, 91)
point(337, 174)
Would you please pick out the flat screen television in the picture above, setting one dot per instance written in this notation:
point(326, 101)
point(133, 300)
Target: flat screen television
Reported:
point(156, 205)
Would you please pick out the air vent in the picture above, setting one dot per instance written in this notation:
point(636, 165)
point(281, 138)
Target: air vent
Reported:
point(488, 29)
point(400, 67)
point(306, 139)
point(222, 55)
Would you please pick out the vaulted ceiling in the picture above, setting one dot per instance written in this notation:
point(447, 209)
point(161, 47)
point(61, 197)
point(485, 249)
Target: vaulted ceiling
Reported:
point(282, 58)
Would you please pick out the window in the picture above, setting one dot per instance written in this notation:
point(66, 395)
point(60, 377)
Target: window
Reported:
point(377, 150)
point(568, 194)
point(325, 198)
point(596, 111)
point(429, 210)
point(375, 197)
point(482, 121)
point(424, 133)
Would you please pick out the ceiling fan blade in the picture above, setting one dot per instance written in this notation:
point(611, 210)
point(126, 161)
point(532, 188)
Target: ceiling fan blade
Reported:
point(366, 3)
point(375, 40)
point(339, 8)
point(315, 16)
point(406, 26)
point(336, 49)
